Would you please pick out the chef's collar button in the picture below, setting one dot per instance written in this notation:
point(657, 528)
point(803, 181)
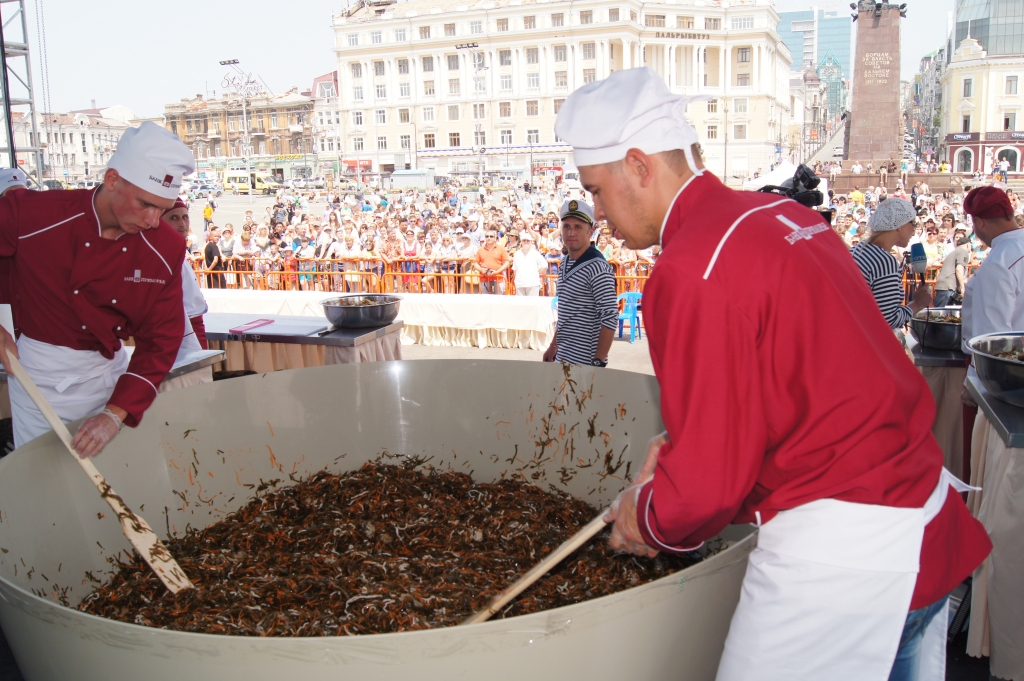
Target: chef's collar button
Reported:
point(76, 293)
point(86, 244)
point(114, 301)
point(119, 328)
point(83, 327)
point(124, 249)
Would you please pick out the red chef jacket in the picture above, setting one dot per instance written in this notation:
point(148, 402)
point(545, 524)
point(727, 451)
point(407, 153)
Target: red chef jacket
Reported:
point(81, 291)
point(782, 384)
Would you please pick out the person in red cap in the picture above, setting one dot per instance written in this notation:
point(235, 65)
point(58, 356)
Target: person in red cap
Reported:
point(195, 304)
point(994, 296)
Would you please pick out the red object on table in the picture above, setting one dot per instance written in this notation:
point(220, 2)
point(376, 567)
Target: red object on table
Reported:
point(249, 326)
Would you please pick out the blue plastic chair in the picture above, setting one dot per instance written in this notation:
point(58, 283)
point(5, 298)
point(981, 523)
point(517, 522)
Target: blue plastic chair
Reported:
point(630, 312)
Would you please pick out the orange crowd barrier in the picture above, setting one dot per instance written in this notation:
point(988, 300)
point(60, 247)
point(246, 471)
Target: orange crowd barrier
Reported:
point(375, 275)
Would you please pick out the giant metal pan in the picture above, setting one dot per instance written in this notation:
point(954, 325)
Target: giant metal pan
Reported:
point(484, 416)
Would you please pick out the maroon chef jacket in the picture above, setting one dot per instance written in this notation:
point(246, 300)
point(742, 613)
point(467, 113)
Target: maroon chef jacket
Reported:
point(78, 290)
point(781, 383)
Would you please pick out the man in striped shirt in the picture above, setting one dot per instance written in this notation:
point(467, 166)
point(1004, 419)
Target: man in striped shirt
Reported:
point(588, 310)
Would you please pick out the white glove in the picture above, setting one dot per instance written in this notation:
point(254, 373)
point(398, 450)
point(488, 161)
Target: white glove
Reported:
point(95, 433)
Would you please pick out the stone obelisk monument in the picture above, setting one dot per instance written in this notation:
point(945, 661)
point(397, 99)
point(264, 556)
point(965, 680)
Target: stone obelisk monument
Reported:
point(875, 131)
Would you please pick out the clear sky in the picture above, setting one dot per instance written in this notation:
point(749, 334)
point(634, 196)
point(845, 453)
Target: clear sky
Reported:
point(145, 54)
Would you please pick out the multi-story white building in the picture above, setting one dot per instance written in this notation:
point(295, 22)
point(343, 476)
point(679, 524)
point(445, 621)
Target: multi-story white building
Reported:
point(475, 88)
point(982, 101)
point(76, 145)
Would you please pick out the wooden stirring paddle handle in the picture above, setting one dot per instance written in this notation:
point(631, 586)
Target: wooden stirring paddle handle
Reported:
point(135, 528)
point(540, 569)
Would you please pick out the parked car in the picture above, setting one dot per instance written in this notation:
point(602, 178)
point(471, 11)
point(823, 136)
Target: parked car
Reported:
point(52, 184)
point(204, 190)
point(837, 152)
point(316, 183)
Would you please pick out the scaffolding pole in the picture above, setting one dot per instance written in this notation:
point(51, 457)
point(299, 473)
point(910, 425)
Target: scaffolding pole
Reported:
point(19, 133)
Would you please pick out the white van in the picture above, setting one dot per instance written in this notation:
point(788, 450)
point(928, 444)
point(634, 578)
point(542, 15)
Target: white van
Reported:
point(571, 179)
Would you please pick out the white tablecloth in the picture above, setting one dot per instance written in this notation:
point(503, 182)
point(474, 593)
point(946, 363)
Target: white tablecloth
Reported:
point(476, 320)
point(997, 600)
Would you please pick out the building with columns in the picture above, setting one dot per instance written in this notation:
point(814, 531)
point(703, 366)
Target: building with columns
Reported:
point(474, 88)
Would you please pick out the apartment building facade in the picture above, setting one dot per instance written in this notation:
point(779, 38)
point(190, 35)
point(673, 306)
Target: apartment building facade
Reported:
point(475, 89)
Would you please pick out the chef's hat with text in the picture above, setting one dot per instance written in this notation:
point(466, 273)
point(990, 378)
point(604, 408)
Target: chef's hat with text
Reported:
point(630, 109)
point(153, 159)
point(12, 177)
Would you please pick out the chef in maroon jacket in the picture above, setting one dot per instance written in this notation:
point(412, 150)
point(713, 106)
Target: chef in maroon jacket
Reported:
point(93, 268)
point(862, 533)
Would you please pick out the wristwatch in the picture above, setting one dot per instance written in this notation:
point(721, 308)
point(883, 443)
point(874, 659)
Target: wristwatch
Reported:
point(599, 362)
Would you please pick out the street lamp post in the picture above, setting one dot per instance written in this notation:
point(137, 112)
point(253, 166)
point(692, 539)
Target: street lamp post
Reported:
point(245, 86)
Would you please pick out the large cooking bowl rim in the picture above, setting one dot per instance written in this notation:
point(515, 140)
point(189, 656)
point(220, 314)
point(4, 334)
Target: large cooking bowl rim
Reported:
point(736, 547)
point(946, 309)
point(385, 299)
point(1012, 335)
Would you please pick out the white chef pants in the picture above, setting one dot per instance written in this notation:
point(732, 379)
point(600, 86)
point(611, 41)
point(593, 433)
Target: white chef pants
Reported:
point(76, 383)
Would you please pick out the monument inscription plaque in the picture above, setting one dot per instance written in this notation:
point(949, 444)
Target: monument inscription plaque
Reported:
point(876, 122)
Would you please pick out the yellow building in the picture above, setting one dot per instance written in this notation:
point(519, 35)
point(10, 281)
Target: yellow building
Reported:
point(280, 130)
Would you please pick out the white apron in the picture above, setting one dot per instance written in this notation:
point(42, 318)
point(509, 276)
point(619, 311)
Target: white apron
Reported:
point(827, 592)
point(76, 382)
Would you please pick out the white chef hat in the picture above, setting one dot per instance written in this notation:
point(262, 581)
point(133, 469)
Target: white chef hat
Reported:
point(892, 214)
point(12, 177)
point(580, 210)
point(153, 159)
point(630, 109)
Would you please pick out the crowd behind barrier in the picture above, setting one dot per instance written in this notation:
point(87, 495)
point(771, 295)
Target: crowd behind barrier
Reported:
point(372, 275)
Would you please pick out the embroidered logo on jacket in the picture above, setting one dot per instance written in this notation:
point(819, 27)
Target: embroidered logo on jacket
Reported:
point(139, 279)
point(801, 232)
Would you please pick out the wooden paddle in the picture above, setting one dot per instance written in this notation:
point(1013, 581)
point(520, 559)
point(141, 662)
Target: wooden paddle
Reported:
point(135, 528)
point(540, 569)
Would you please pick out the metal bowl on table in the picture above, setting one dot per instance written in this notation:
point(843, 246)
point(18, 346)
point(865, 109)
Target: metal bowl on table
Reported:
point(1002, 377)
point(361, 310)
point(933, 329)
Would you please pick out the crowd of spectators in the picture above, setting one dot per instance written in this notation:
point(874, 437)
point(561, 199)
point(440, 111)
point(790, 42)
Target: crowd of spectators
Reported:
point(941, 220)
point(415, 240)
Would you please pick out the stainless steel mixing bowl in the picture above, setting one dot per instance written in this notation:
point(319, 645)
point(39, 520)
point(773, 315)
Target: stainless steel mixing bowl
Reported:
point(488, 417)
point(343, 312)
point(932, 333)
point(1003, 378)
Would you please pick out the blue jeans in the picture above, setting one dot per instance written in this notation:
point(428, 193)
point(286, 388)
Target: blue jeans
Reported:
point(908, 657)
point(942, 298)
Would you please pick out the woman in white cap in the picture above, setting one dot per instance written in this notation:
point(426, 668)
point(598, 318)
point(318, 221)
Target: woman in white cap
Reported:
point(97, 267)
point(787, 404)
point(892, 226)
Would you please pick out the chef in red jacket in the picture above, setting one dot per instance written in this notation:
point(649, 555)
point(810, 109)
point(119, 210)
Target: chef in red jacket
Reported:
point(788, 404)
point(93, 268)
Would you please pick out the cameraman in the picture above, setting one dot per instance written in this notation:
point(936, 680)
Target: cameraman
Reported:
point(953, 275)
